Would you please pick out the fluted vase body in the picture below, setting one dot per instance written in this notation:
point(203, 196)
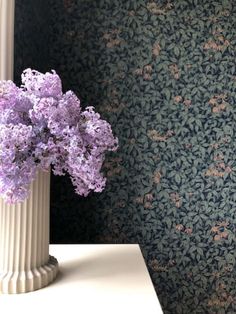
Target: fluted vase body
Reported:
point(25, 263)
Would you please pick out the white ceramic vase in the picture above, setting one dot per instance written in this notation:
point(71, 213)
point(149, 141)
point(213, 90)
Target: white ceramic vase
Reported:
point(25, 263)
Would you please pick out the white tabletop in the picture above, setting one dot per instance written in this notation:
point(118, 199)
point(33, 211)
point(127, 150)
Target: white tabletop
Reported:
point(93, 279)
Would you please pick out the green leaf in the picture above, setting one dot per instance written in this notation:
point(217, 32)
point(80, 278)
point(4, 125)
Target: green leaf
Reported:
point(177, 178)
point(176, 51)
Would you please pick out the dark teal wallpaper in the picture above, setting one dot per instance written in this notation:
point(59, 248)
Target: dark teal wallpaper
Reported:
point(163, 74)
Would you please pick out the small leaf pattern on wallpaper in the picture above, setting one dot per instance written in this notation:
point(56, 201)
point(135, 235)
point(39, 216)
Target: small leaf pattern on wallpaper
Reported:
point(163, 74)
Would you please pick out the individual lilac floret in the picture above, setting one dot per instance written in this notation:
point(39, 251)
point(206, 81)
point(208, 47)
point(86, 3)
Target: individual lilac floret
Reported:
point(42, 127)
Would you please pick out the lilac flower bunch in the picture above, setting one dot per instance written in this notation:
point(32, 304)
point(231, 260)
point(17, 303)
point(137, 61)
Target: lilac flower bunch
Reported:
point(40, 126)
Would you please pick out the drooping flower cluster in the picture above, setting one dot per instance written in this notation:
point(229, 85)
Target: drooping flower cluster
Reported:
point(40, 126)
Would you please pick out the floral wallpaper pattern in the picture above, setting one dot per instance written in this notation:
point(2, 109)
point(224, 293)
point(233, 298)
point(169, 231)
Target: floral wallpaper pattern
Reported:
point(163, 74)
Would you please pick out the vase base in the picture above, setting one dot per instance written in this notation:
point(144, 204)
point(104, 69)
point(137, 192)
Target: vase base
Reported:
point(26, 281)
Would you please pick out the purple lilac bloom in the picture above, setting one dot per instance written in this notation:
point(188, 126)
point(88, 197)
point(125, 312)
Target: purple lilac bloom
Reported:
point(42, 127)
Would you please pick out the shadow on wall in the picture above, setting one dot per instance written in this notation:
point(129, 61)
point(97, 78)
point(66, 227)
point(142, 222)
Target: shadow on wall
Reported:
point(87, 220)
point(31, 36)
point(71, 222)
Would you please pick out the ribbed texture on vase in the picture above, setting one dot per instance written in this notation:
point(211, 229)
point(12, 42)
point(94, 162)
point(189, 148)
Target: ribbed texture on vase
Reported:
point(25, 264)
